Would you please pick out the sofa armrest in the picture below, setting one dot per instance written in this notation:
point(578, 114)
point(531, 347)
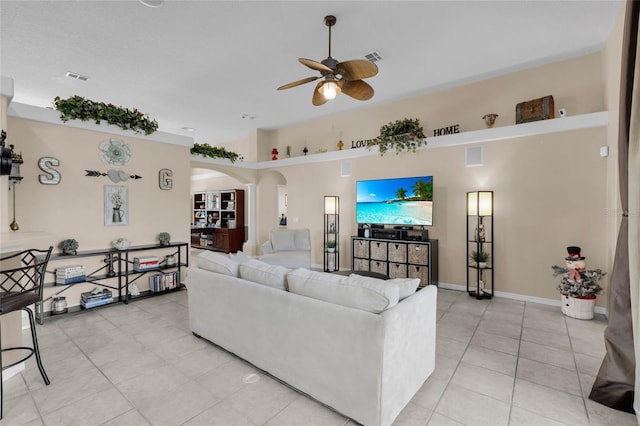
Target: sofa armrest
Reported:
point(266, 247)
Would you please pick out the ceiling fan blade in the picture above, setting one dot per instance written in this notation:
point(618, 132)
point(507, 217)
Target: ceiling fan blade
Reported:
point(315, 65)
point(298, 83)
point(318, 99)
point(357, 89)
point(357, 69)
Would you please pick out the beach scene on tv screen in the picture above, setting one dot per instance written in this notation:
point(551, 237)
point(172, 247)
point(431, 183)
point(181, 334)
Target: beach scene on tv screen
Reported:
point(398, 201)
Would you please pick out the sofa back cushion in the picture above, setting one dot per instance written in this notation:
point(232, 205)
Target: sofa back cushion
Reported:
point(370, 295)
point(407, 286)
point(263, 273)
point(217, 262)
point(283, 240)
point(290, 239)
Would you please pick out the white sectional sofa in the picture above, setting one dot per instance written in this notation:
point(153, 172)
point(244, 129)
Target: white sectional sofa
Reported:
point(359, 350)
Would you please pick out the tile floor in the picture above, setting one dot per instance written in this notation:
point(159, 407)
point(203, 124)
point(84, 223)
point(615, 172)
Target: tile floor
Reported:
point(499, 362)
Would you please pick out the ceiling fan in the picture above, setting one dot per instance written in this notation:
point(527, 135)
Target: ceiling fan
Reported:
point(345, 77)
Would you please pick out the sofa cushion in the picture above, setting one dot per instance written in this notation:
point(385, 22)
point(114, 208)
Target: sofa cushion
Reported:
point(217, 262)
point(302, 239)
point(283, 240)
point(372, 296)
point(407, 286)
point(262, 273)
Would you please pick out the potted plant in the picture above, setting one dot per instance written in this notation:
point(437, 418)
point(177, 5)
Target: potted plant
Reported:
point(165, 238)
point(578, 286)
point(480, 258)
point(405, 134)
point(68, 246)
point(331, 246)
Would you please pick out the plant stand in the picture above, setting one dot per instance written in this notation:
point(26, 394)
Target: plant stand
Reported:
point(580, 308)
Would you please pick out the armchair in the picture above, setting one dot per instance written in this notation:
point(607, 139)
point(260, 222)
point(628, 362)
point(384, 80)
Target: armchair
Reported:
point(290, 248)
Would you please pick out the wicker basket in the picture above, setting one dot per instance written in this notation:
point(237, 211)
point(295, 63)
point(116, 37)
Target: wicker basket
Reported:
point(579, 308)
point(360, 264)
point(418, 254)
point(398, 252)
point(397, 270)
point(421, 272)
point(361, 249)
point(379, 267)
point(378, 250)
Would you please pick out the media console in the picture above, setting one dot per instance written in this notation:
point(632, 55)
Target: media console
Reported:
point(396, 258)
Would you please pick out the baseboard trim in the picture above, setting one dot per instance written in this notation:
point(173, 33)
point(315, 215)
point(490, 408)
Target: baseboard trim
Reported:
point(524, 298)
point(12, 371)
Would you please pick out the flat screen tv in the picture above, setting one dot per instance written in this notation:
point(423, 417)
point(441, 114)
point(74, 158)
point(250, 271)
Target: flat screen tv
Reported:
point(397, 201)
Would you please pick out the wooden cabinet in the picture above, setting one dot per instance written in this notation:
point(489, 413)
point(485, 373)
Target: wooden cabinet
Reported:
point(218, 220)
point(396, 259)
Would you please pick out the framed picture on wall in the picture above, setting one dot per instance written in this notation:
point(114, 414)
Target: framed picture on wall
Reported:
point(116, 205)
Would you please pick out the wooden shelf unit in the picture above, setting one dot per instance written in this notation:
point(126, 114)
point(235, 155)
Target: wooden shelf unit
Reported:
point(218, 220)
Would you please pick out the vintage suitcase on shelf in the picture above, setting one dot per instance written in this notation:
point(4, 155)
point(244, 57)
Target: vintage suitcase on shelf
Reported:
point(535, 110)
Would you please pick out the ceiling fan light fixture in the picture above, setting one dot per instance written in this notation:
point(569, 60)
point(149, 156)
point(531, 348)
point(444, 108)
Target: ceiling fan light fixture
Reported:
point(330, 89)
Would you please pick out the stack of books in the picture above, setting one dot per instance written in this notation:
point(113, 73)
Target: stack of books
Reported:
point(146, 263)
point(163, 282)
point(70, 274)
point(91, 299)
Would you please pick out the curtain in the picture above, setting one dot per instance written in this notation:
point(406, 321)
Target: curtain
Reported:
point(616, 380)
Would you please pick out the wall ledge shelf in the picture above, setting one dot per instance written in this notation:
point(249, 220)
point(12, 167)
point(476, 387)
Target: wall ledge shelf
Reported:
point(556, 125)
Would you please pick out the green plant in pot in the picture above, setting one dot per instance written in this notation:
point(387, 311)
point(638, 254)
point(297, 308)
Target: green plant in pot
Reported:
point(165, 238)
point(69, 246)
point(480, 258)
point(401, 135)
point(331, 246)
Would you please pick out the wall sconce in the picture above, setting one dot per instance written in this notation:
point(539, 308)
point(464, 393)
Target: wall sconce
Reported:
point(14, 179)
point(480, 203)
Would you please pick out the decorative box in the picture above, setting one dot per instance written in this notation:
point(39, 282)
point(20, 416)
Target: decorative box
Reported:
point(535, 110)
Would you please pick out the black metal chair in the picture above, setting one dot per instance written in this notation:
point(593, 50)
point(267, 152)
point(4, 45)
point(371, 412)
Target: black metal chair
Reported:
point(21, 283)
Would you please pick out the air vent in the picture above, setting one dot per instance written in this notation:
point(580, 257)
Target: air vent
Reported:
point(77, 76)
point(373, 57)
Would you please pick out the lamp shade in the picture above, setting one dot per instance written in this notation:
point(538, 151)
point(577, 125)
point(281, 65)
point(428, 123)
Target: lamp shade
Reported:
point(480, 203)
point(331, 204)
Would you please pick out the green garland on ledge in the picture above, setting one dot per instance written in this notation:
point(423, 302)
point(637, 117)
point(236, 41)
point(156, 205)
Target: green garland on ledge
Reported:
point(77, 107)
point(406, 134)
point(207, 150)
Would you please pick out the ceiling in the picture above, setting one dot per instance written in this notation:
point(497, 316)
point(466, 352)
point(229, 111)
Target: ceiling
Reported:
point(214, 66)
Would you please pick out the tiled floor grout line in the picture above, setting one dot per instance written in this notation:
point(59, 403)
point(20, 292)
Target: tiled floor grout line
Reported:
point(575, 363)
point(515, 373)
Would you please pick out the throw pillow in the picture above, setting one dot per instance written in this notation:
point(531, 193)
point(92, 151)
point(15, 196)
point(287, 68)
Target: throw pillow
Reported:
point(344, 291)
point(283, 240)
point(262, 273)
point(217, 262)
point(407, 286)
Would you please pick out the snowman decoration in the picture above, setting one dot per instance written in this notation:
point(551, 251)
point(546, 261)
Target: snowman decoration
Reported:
point(575, 263)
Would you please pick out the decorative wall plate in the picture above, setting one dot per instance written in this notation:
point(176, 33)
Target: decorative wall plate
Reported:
point(115, 152)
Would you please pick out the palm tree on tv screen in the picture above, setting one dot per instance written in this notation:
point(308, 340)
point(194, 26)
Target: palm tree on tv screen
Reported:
point(423, 190)
point(401, 194)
